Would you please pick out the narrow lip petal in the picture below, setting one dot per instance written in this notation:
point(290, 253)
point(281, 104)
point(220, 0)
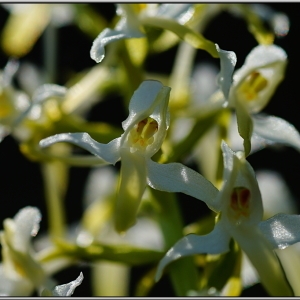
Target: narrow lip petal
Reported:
point(228, 61)
point(108, 152)
point(274, 130)
point(175, 177)
point(282, 230)
point(132, 185)
point(216, 242)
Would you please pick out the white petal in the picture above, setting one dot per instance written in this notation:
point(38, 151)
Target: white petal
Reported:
point(216, 242)
point(66, 290)
point(144, 102)
point(276, 130)
point(182, 12)
point(108, 152)
point(228, 61)
point(127, 27)
point(27, 222)
point(281, 230)
point(175, 177)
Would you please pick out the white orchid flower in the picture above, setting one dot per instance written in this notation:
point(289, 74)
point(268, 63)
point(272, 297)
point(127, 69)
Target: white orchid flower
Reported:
point(253, 84)
point(20, 272)
point(145, 130)
point(241, 214)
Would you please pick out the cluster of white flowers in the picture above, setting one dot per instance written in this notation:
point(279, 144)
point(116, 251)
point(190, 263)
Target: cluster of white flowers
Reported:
point(137, 220)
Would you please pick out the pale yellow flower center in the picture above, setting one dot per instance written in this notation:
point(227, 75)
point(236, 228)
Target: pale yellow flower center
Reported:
point(142, 134)
point(252, 86)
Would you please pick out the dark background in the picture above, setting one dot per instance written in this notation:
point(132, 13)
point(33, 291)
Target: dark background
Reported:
point(21, 183)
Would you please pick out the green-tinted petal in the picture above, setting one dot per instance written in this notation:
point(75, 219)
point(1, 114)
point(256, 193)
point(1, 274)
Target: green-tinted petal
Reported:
point(108, 152)
point(182, 12)
point(215, 242)
point(261, 255)
point(175, 177)
point(228, 61)
point(276, 130)
point(131, 188)
point(66, 290)
point(282, 230)
point(245, 125)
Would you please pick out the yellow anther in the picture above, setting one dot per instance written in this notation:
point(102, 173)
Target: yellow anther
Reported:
point(240, 201)
point(6, 107)
point(142, 134)
point(252, 85)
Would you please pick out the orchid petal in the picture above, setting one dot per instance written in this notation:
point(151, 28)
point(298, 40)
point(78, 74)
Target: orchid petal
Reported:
point(276, 130)
point(239, 173)
point(144, 101)
point(282, 230)
point(27, 225)
point(269, 61)
point(260, 253)
point(66, 290)
point(131, 189)
point(14, 286)
point(108, 152)
point(182, 12)
point(127, 27)
point(228, 61)
point(216, 242)
point(175, 177)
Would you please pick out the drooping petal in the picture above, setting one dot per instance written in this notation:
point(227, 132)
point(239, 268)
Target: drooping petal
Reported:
point(67, 290)
point(228, 61)
point(175, 177)
point(276, 130)
point(131, 188)
point(258, 78)
point(282, 230)
point(216, 242)
point(108, 152)
point(127, 27)
point(261, 255)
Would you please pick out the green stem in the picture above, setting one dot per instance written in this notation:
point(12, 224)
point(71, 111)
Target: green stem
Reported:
point(55, 178)
point(183, 272)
